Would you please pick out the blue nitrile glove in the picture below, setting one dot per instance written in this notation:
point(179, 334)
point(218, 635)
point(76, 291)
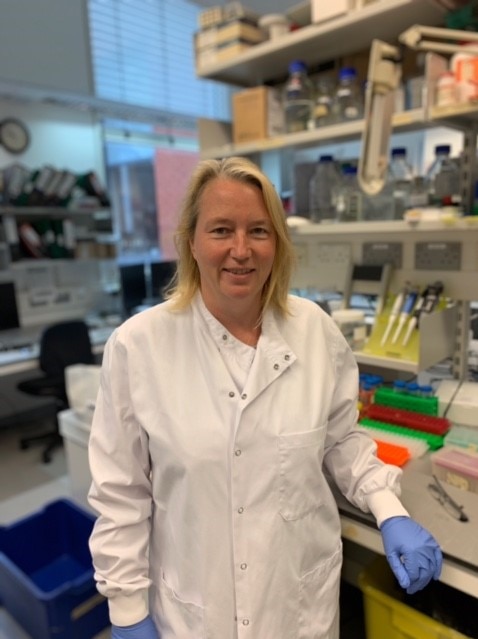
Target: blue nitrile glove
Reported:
point(142, 630)
point(413, 554)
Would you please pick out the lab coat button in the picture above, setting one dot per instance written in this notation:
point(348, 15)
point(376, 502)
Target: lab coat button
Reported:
point(276, 367)
point(240, 510)
point(287, 358)
point(243, 396)
point(245, 622)
point(224, 337)
point(238, 452)
point(243, 566)
point(232, 394)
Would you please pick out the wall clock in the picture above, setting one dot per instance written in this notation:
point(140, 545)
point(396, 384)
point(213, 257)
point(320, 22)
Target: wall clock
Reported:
point(14, 135)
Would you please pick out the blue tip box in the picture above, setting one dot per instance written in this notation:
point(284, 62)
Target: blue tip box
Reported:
point(46, 574)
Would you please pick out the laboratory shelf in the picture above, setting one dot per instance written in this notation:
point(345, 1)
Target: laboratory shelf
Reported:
point(324, 41)
point(213, 133)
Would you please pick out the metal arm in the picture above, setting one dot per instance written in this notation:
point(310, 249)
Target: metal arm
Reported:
point(384, 74)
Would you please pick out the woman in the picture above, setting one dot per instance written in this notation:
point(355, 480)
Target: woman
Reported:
point(218, 413)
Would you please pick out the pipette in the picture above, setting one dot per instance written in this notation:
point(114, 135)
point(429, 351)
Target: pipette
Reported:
point(425, 304)
point(397, 305)
point(407, 309)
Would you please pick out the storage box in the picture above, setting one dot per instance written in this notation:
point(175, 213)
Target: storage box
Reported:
point(46, 574)
point(228, 32)
point(322, 10)
point(457, 468)
point(387, 615)
point(257, 114)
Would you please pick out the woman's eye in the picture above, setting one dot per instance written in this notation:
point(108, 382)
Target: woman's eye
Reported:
point(260, 230)
point(220, 230)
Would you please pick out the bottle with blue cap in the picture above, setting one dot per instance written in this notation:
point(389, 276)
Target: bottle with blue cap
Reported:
point(323, 183)
point(298, 99)
point(348, 100)
point(443, 178)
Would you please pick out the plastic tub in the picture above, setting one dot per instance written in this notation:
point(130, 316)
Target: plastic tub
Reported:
point(46, 574)
point(457, 468)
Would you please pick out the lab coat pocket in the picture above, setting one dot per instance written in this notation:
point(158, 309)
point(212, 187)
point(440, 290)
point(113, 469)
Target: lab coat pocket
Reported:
point(319, 599)
point(300, 473)
point(178, 618)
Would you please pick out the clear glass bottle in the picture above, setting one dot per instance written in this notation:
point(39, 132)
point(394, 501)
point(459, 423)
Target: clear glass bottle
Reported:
point(325, 180)
point(298, 99)
point(323, 115)
point(348, 197)
point(443, 178)
point(348, 101)
point(401, 176)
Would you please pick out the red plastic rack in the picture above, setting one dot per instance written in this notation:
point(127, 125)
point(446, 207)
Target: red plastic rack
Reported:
point(408, 418)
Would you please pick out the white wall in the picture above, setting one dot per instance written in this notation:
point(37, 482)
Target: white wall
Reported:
point(60, 136)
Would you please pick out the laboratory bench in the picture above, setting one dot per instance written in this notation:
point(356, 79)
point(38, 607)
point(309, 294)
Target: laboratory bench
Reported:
point(457, 538)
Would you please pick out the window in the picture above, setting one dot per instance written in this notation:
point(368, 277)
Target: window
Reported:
point(143, 56)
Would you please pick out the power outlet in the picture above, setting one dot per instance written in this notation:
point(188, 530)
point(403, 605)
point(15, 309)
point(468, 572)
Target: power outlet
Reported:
point(378, 253)
point(438, 256)
point(333, 255)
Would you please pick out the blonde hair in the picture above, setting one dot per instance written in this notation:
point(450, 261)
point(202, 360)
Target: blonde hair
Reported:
point(187, 279)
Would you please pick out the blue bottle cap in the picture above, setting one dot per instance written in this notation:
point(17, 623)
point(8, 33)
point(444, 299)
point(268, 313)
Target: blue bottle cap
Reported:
point(347, 73)
point(399, 152)
point(442, 148)
point(326, 158)
point(297, 66)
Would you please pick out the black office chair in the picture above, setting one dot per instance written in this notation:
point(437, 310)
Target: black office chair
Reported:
point(61, 345)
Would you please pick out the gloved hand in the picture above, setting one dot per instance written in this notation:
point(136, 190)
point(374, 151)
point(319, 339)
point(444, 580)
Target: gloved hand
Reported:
point(142, 630)
point(413, 554)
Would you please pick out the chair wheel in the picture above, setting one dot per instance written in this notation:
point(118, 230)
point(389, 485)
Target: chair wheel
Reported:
point(24, 445)
point(46, 457)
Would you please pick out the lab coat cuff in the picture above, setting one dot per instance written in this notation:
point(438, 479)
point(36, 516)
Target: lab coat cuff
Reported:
point(384, 504)
point(127, 610)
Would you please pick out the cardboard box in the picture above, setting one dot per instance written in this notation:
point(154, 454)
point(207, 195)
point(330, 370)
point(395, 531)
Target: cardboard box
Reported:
point(228, 32)
point(257, 114)
point(322, 10)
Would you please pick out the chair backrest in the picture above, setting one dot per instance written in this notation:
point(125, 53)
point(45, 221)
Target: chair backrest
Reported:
point(64, 344)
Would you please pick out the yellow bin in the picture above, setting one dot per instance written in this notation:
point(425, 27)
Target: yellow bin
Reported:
point(386, 617)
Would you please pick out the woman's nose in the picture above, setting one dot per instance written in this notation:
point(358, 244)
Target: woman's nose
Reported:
point(240, 246)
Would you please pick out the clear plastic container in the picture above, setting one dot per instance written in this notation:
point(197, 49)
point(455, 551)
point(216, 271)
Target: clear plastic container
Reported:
point(401, 177)
point(325, 181)
point(323, 114)
point(443, 178)
point(298, 99)
point(348, 99)
point(348, 197)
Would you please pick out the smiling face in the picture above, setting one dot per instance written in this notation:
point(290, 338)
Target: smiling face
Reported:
point(234, 247)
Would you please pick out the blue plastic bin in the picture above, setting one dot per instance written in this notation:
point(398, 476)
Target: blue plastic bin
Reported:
point(46, 574)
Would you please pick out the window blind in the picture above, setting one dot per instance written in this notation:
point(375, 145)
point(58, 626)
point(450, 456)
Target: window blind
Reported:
point(143, 54)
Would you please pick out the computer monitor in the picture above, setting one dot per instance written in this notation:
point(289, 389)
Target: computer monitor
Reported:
point(8, 306)
point(161, 275)
point(133, 286)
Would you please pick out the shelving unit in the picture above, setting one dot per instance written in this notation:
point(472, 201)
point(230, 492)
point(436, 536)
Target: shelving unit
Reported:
point(326, 252)
point(215, 133)
point(84, 219)
point(267, 62)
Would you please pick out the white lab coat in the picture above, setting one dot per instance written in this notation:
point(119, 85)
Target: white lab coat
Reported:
point(214, 502)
